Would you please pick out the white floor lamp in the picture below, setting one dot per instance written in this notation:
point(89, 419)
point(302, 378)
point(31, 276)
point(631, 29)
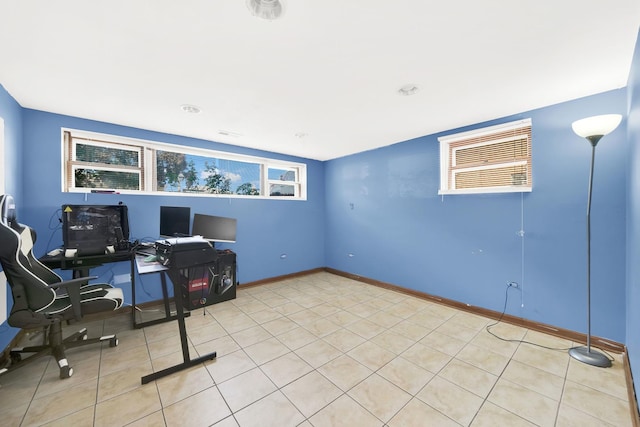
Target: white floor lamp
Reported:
point(592, 128)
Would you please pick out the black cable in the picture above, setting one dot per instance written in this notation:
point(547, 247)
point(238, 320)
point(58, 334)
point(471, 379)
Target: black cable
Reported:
point(504, 309)
point(53, 227)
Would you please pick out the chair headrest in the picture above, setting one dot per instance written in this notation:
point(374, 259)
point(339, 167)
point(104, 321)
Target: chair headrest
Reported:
point(7, 210)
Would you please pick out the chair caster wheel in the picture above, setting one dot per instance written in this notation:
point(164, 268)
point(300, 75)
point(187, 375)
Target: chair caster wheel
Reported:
point(66, 372)
point(15, 357)
point(113, 342)
point(83, 337)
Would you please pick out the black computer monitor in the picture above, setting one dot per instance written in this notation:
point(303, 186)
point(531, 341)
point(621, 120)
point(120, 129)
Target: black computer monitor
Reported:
point(214, 228)
point(175, 221)
point(91, 229)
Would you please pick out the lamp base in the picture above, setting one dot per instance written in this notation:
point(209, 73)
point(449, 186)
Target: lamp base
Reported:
point(590, 357)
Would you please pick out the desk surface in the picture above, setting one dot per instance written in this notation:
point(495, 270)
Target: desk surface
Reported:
point(84, 261)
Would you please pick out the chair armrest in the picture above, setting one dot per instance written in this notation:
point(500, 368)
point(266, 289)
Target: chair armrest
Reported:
point(73, 290)
point(72, 282)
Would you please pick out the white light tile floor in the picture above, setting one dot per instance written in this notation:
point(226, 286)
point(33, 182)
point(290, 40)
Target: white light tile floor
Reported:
point(320, 350)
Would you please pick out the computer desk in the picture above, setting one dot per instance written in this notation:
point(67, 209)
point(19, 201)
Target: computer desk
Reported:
point(82, 264)
point(174, 275)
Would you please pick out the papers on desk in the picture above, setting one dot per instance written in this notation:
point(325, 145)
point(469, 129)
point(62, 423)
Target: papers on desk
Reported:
point(145, 267)
point(177, 240)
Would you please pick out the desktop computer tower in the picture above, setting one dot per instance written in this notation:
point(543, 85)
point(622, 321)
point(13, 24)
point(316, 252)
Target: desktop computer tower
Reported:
point(209, 283)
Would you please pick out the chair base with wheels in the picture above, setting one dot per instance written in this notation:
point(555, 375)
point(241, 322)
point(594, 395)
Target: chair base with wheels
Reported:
point(42, 300)
point(54, 345)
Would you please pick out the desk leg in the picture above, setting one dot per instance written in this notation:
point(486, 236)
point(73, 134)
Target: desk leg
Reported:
point(165, 295)
point(133, 291)
point(188, 362)
point(167, 307)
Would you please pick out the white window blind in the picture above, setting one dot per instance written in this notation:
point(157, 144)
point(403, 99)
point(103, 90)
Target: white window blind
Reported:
point(494, 159)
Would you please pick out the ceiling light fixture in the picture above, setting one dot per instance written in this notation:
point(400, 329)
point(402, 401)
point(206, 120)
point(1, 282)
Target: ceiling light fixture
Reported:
point(265, 9)
point(187, 108)
point(408, 89)
point(229, 133)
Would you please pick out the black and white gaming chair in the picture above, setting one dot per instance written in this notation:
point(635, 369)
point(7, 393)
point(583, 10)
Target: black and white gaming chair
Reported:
point(41, 299)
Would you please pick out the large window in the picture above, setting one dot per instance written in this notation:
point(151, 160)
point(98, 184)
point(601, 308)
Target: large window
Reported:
point(107, 162)
point(495, 159)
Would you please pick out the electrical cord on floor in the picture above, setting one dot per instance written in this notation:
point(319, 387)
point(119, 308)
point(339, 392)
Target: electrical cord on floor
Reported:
point(504, 309)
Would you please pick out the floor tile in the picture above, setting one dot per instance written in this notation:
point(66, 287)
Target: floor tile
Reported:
point(483, 358)
point(416, 412)
point(229, 366)
point(122, 381)
point(344, 412)
point(120, 411)
point(173, 388)
point(469, 377)
point(318, 353)
point(532, 406)
point(201, 409)
point(426, 357)
point(320, 350)
point(344, 340)
point(311, 393)
point(371, 355)
point(51, 407)
point(345, 372)
point(380, 397)
point(451, 400)
point(491, 415)
point(597, 404)
point(285, 369)
point(274, 410)
point(246, 388)
point(266, 350)
point(83, 417)
point(534, 379)
point(406, 375)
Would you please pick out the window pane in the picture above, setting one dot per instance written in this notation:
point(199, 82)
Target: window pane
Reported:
point(495, 177)
point(493, 159)
point(106, 155)
point(199, 174)
point(282, 175)
point(96, 178)
point(491, 153)
point(281, 190)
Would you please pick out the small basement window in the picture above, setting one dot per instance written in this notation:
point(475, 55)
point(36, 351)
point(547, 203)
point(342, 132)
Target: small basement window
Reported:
point(495, 159)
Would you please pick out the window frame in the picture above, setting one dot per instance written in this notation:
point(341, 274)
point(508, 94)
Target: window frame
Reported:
point(450, 144)
point(147, 165)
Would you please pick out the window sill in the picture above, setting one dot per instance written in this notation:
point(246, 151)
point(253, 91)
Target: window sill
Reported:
point(493, 190)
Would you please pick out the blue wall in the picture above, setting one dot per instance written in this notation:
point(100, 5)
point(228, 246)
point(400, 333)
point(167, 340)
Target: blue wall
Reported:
point(633, 220)
point(11, 113)
point(386, 221)
point(266, 228)
point(377, 214)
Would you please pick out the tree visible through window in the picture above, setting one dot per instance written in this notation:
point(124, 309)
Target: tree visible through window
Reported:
point(108, 162)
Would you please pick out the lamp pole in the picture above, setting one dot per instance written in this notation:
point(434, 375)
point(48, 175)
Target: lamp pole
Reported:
point(593, 129)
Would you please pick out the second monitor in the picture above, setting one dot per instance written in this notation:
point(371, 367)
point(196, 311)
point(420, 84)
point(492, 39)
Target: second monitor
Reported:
point(214, 228)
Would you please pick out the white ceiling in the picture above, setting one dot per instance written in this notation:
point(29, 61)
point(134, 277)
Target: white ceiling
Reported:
point(321, 82)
